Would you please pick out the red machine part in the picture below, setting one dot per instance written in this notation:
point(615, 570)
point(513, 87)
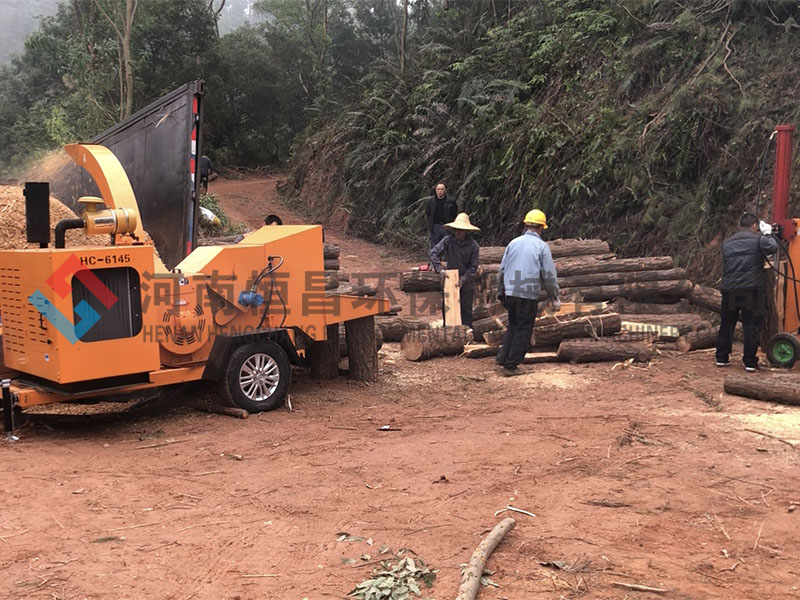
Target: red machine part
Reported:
point(783, 175)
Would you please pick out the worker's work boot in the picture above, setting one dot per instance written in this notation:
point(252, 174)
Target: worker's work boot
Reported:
point(506, 372)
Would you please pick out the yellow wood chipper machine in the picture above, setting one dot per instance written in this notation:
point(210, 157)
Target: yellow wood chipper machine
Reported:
point(91, 321)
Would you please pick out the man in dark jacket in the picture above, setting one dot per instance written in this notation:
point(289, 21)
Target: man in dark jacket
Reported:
point(440, 209)
point(743, 287)
point(461, 252)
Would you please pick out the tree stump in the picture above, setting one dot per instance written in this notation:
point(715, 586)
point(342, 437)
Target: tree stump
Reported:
point(362, 351)
point(427, 343)
point(325, 356)
point(343, 340)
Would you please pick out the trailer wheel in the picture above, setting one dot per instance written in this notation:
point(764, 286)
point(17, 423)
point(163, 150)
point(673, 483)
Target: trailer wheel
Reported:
point(257, 377)
point(783, 350)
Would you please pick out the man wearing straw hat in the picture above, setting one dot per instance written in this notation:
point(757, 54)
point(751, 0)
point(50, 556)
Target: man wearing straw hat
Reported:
point(527, 266)
point(461, 252)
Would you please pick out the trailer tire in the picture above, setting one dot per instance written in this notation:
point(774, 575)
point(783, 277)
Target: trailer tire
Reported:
point(257, 377)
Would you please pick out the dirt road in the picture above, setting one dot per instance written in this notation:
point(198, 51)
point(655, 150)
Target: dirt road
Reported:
point(645, 476)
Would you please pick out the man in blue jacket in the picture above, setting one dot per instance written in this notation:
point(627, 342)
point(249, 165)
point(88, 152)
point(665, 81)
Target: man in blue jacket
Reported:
point(743, 287)
point(527, 266)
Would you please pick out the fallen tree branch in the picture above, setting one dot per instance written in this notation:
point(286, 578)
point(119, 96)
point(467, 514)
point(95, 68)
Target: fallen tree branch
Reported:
point(471, 581)
point(639, 588)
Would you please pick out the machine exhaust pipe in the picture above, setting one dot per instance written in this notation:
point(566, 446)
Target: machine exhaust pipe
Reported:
point(61, 230)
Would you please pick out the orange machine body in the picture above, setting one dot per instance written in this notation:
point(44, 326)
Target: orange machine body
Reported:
point(88, 321)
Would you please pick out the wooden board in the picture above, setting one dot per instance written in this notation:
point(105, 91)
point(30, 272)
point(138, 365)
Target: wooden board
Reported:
point(452, 299)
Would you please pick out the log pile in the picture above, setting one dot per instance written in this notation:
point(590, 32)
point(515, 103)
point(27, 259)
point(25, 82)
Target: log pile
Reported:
point(621, 307)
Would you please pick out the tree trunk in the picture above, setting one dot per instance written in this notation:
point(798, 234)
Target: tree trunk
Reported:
point(492, 323)
point(592, 279)
point(331, 280)
point(420, 281)
point(353, 289)
point(362, 350)
point(668, 327)
point(588, 326)
point(704, 338)
point(343, 339)
point(325, 355)
point(580, 351)
point(706, 297)
point(629, 307)
point(330, 251)
point(343, 275)
point(558, 248)
point(769, 389)
point(394, 328)
point(331, 264)
point(424, 344)
point(483, 311)
point(471, 580)
point(658, 291)
point(480, 350)
point(606, 263)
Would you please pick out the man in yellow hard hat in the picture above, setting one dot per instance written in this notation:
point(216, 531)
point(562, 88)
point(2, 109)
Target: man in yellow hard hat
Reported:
point(527, 266)
point(461, 252)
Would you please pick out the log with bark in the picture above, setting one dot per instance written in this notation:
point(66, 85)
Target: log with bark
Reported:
point(473, 350)
point(221, 409)
point(330, 251)
point(668, 327)
point(343, 275)
point(331, 264)
point(362, 351)
point(493, 323)
point(606, 263)
point(331, 280)
point(420, 281)
point(490, 309)
point(354, 289)
point(558, 248)
point(325, 355)
point(593, 279)
point(629, 307)
point(782, 390)
point(394, 328)
point(471, 579)
point(706, 297)
point(648, 291)
point(704, 338)
point(343, 339)
point(427, 343)
point(225, 240)
point(582, 327)
point(580, 351)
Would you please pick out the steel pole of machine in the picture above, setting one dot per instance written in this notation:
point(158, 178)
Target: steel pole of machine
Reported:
point(8, 411)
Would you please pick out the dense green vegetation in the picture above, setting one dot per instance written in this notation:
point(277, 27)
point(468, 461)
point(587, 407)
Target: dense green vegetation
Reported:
point(641, 121)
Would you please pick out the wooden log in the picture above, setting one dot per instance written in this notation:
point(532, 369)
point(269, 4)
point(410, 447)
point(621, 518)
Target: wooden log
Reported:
point(362, 351)
point(490, 309)
point(704, 338)
point(629, 307)
point(471, 580)
point(558, 248)
point(331, 264)
point(330, 251)
point(582, 327)
point(706, 297)
point(480, 350)
point(532, 358)
point(221, 409)
point(325, 355)
point(492, 323)
point(441, 341)
point(343, 275)
point(394, 328)
point(668, 327)
point(225, 240)
point(580, 351)
point(592, 279)
point(420, 281)
point(606, 263)
point(343, 339)
point(648, 291)
point(495, 338)
point(354, 289)
point(769, 389)
point(331, 280)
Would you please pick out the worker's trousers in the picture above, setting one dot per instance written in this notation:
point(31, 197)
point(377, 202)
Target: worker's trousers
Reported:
point(521, 315)
point(747, 306)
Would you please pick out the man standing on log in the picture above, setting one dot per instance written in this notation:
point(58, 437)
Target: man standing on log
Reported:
point(743, 287)
point(527, 265)
point(461, 252)
point(440, 209)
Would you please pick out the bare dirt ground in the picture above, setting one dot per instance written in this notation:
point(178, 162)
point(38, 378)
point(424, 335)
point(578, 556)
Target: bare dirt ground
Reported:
point(638, 476)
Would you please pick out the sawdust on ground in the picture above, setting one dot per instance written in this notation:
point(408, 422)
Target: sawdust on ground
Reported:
point(12, 222)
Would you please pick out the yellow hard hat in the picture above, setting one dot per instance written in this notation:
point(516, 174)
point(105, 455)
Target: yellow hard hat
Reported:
point(535, 217)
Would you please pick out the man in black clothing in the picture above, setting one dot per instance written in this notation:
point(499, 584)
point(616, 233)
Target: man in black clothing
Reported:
point(461, 252)
point(743, 287)
point(440, 209)
point(206, 169)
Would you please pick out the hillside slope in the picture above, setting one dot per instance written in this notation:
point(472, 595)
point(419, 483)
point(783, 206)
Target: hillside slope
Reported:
point(642, 122)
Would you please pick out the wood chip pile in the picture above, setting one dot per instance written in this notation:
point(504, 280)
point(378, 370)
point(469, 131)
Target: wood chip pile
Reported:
point(12, 222)
point(613, 308)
